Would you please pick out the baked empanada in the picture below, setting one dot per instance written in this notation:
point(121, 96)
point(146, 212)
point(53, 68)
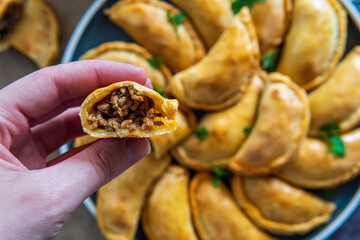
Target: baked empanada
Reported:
point(271, 19)
point(338, 99)
point(83, 140)
point(220, 79)
point(127, 109)
point(216, 215)
point(119, 202)
point(316, 167)
point(226, 132)
point(132, 54)
point(11, 11)
point(315, 42)
point(167, 213)
point(36, 35)
point(282, 123)
point(279, 207)
point(149, 23)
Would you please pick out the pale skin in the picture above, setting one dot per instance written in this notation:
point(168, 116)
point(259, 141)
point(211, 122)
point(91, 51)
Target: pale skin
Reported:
point(38, 114)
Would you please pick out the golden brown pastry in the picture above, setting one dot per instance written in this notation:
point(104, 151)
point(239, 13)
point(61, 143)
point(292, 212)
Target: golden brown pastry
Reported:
point(338, 99)
point(210, 17)
point(220, 79)
point(316, 167)
point(147, 21)
point(119, 202)
point(127, 109)
point(167, 213)
point(282, 123)
point(132, 54)
point(83, 140)
point(36, 35)
point(11, 11)
point(226, 132)
point(271, 19)
point(216, 215)
point(279, 207)
point(315, 42)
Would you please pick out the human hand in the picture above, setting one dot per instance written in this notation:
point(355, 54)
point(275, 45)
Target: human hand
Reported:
point(38, 114)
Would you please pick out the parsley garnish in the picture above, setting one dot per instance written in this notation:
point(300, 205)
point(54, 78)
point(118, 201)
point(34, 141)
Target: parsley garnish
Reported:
point(270, 61)
point(160, 91)
point(247, 130)
point(155, 62)
point(220, 173)
point(201, 133)
point(329, 132)
point(238, 4)
point(175, 20)
point(216, 181)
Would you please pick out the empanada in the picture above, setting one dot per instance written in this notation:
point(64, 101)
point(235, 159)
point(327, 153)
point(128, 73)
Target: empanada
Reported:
point(11, 11)
point(279, 207)
point(315, 42)
point(127, 109)
point(338, 99)
point(220, 79)
point(119, 202)
point(83, 140)
point(148, 22)
point(167, 213)
point(316, 167)
point(132, 54)
point(216, 215)
point(282, 123)
point(226, 132)
point(36, 35)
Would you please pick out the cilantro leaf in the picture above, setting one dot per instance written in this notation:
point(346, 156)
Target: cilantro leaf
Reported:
point(238, 4)
point(247, 130)
point(216, 181)
point(331, 128)
point(160, 91)
point(329, 133)
point(269, 61)
point(155, 62)
point(175, 20)
point(222, 172)
point(201, 133)
point(337, 146)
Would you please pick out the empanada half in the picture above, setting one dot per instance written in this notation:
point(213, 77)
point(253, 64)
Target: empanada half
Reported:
point(147, 21)
point(282, 123)
point(127, 109)
point(279, 207)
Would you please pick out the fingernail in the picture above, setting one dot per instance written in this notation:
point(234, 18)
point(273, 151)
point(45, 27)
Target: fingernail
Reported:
point(148, 83)
point(139, 147)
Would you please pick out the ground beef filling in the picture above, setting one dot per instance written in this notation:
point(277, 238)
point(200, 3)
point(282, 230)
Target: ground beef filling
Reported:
point(124, 109)
point(12, 15)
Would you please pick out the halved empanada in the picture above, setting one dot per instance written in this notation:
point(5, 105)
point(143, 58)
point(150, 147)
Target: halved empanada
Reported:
point(279, 207)
point(226, 132)
point(11, 11)
point(216, 215)
point(132, 54)
point(271, 19)
point(316, 167)
point(127, 109)
point(282, 123)
point(338, 99)
point(315, 42)
point(221, 78)
point(119, 202)
point(147, 21)
point(36, 35)
point(167, 213)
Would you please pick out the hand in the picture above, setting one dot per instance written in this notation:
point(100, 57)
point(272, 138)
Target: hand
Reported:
point(38, 114)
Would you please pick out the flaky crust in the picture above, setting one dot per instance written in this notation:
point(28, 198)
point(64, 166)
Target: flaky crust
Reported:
point(166, 107)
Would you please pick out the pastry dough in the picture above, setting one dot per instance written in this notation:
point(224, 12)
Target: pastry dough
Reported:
point(37, 34)
point(81, 141)
point(216, 215)
point(147, 22)
point(226, 132)
point(279, 207)
point(127, 109)
point(282, 123)
point(220, 79)
point(167, 212)
point(315, 43)
point(338, 99)
point(11, 11)
point(132, 54)
point(119, 202)
point(316, 167)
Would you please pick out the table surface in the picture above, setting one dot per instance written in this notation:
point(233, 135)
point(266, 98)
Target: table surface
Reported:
point(14, 65)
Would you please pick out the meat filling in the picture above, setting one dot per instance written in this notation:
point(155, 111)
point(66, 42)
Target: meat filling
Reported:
point(124, 109)
point(12, 15)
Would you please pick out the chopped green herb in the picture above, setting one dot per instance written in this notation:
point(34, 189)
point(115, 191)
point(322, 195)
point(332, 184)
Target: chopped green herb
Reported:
point(222, 172)
point(175, 20)
point(329, 132)
point(216, 181)
point(269, 61)
point(238, 4)
point(331, 128)
point(160, 91)
point(247, 130)
point(201, 133)
point(155, 62)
